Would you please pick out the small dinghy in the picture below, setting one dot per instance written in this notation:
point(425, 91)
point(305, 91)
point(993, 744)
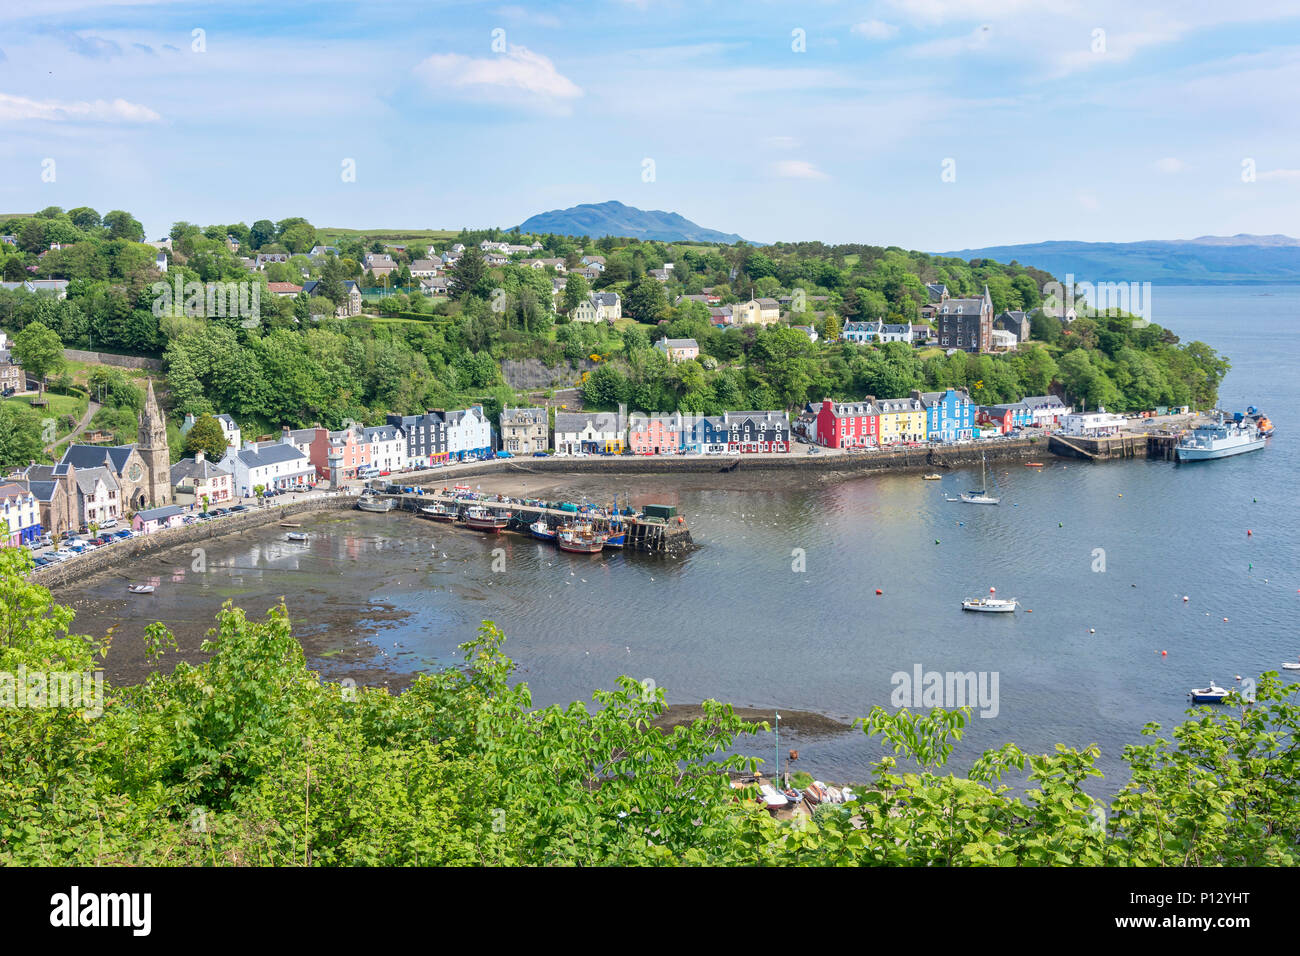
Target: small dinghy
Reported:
point(1290, 666)
point(140, 588)
point(296, 536)
point(932, 477)
point(774, 799)
point(1214, 694)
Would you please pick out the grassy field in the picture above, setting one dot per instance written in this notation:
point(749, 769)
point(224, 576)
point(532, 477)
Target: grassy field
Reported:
point(327, 236)
point(59, 407)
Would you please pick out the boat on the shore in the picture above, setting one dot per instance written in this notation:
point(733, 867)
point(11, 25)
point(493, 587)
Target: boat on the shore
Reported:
point(375, 503)
point(1220, 439)
point(1033, 464)
point(579, 539)
point(437, 512)
point(478, 518)
point(1214, 694)
point(541, 530)
point(140, 588)
point(932, 477)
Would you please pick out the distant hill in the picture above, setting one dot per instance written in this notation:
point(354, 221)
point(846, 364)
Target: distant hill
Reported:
point(1206, 260)
point(616, 219)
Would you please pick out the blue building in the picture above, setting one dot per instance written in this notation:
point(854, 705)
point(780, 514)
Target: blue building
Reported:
point(949, 415)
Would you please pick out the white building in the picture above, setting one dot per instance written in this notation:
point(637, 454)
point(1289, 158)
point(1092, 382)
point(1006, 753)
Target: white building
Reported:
point(20, 513)
point(1092, 424)
point(387, 447)
point(469, 434)
point(271, 464)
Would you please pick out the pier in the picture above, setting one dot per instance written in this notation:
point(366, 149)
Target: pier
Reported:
point(644, 534)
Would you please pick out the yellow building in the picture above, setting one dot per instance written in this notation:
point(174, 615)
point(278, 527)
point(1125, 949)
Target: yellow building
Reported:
point(901, 419)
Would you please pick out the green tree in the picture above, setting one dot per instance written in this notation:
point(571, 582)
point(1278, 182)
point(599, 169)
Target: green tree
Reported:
point(39, 351)
point(122, 225)
point(206, 435)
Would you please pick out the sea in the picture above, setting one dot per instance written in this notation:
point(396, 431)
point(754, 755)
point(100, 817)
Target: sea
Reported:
point(1137, 581)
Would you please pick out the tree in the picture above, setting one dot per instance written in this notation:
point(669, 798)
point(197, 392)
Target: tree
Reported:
point(84, 218)
point(20, 437)
point(646, 300)
point(39, 351)
point(122, 225)
point(576, 291)
point(261, 233)
point(206, 435)
point(469, 275)
point(31, 237)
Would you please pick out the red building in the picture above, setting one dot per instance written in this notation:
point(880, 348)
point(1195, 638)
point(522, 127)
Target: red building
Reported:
point(848, 424)
point(349, 447)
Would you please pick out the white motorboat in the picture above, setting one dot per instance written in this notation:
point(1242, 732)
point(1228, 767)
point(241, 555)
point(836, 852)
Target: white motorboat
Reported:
point(1291, 666)
point(996, 605)
point(141, 588)
point(1214, 694)
point(296, 536)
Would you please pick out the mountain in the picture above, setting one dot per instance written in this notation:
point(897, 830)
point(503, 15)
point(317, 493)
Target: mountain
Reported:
point(1206, 260)
point(615, 219)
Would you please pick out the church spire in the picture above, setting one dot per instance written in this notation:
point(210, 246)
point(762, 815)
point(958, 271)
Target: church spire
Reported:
point(151, 421)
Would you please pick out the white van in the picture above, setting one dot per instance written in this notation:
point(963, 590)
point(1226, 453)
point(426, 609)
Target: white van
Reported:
point(368, 473)
point(107, 523)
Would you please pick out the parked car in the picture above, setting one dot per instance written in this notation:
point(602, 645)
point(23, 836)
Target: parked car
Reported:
point(539, 454)
point(504, 454)
point(238, 508)
point(64, 554)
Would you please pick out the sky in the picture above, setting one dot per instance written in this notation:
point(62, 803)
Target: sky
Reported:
point(927, 124)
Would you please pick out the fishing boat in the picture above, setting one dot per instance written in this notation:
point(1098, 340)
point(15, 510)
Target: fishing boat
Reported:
point(140, 588)
point(541, 530)
point(437, 512)
point(1214, 694)
point(1219, 439)
point(296, 536)
point(932, 477)
point(981, 497)
point(375, 503)
point(478, 518)
point(580, 539)
point(994, 605)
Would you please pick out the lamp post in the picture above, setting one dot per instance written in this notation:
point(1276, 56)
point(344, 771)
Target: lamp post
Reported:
point(778, 749)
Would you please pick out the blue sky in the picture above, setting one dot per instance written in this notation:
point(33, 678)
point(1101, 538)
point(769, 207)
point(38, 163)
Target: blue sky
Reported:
point(1107, 121)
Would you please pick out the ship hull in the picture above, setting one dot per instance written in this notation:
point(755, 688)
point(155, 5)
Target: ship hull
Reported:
point(1210, 454)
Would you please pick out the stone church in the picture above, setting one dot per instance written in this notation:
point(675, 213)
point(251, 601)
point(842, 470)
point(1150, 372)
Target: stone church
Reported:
point(142, 470)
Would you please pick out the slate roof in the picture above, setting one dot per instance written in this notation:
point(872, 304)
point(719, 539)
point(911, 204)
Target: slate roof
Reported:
point(191, 468)
point(95, 456)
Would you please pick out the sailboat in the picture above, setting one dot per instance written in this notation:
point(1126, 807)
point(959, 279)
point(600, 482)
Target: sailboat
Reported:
point(981, 497)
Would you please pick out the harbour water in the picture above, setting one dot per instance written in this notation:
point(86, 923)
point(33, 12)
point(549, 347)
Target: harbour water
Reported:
point(738, 620)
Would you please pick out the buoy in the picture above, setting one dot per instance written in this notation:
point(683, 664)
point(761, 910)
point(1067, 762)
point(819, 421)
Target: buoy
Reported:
point(1092, 630)
point(1238, 678)
point(1225, 620)
point(1029, 610)
point(1249, 532)
point(1184, 598)
point(936, 540)
point(878, 591)
point(1059, 525)
point(1164, 653)
point(1119, 496)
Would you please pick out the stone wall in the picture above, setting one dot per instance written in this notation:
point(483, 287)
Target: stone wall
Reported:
point(122, 552)
point(903, 459)
point(108, 358)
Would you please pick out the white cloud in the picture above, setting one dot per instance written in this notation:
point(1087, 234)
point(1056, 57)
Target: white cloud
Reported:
point(14, 108)
point(1170, 164)
point(518, 74)
point(874, 29)
point(798, 169)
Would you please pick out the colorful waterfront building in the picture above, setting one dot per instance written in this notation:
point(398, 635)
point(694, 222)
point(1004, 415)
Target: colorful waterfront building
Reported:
point(846, 424)
point(469, 434)
point(1006, 417)
point(704, 435)
point(949, 415)
point(1045, 411)
point(588, 432)
point(20, 514)
point(901, 419)
point(751, 432)
point(654, 434)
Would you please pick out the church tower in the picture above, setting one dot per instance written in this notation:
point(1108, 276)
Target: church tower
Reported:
point(151, 443)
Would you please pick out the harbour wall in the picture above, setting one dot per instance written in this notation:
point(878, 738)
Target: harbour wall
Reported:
point(902, 459)
point(121, 553)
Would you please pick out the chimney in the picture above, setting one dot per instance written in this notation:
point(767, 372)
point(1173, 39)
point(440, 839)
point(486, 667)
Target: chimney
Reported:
point(285, 438)
point(198, 456)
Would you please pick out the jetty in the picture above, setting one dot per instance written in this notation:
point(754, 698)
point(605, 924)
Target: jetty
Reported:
point(646, 534)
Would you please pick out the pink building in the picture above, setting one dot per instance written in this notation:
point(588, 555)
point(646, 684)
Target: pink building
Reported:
point(348, 446)
point(655, 434)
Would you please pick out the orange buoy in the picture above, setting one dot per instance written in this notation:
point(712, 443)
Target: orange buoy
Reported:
point(878, 591)
point(993, 590)
point(1249, 532)
point(1164, 653)
point(1029, 610)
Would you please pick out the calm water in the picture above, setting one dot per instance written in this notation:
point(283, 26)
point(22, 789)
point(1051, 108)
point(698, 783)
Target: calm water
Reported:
point(734, 621)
